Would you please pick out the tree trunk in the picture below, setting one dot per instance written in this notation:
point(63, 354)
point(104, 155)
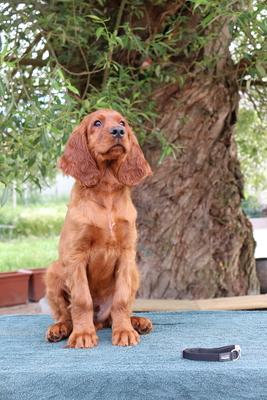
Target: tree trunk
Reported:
point(194, 239)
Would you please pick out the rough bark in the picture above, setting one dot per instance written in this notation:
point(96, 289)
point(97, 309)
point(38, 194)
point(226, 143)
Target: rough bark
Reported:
point(194, 239)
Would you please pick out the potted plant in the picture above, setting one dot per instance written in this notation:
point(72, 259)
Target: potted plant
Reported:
point(261, 267)
point(14, 288)
point(36, 284)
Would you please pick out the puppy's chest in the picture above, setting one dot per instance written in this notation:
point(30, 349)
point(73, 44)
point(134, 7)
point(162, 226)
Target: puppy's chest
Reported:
point(105, 243)
point(107, 227)
point(111, 220)
point(113, 230)
point(113, 223)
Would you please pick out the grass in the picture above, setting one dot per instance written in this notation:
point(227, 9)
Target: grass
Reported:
point(30, 252)
point(35, 220)
point(36, 236)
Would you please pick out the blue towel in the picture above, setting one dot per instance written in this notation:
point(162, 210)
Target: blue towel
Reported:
point(31, 368)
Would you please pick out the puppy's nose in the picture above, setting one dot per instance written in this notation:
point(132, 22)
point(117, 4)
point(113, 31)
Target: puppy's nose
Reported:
point(117, 132)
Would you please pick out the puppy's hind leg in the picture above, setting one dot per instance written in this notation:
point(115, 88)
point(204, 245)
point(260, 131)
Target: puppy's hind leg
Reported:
point(58, 301)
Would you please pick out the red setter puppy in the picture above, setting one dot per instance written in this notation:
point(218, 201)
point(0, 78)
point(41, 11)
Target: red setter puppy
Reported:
point(94, 282)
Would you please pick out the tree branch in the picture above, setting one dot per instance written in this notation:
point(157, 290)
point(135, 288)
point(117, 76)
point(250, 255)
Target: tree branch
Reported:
point(105, 78)
point(257, 82)
point(35, 62)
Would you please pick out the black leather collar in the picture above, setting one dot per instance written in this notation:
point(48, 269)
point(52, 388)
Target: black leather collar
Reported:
point(226, 353)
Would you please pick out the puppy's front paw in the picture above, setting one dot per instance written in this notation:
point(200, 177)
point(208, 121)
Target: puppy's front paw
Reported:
point(142, 325)
point(82, 340)
point(125, 338)
point(58, 331)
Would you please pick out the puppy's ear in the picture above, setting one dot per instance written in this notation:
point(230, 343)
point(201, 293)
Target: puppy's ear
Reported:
point(134, 168)
point(77, 160)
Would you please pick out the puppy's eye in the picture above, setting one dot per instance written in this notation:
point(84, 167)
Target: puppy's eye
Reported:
point(97, 123)
point(122, 123)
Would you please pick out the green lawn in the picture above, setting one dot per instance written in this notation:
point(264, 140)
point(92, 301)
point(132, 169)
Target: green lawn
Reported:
point(30, 252)
point(33, 221)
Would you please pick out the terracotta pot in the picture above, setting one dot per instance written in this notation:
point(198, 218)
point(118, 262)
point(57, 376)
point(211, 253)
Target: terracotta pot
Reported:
point(261, 268)
point(36, 284)
point(13, 288)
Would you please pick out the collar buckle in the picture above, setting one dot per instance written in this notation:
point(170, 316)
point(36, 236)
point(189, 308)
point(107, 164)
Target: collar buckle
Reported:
point(236, 350)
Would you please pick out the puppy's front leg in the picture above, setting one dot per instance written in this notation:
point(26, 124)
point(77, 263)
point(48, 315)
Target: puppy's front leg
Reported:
point(83, 334)
point(126, 285)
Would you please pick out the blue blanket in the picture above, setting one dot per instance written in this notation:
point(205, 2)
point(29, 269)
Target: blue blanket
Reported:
point(31, 368)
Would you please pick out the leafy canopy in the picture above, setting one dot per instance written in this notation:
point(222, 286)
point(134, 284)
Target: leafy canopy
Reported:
point(61, 60)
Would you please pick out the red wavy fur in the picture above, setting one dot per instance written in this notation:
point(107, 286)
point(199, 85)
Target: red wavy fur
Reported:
point(94, 281)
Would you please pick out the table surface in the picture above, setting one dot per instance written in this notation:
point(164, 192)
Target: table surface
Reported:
point(31, 368)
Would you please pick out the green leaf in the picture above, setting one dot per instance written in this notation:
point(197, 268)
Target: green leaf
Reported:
point(73, 89)
point(200, 2)
point(159, 36)
point(208, 18)
point(43, 170)
point(21, 152)
point(36, 140)
point(10, 64)
point(112, 40)
point(125, 40)
point(119, 40)
point(55, 130)
point(101, 100)
point(50, 16)
point(31, 161)
point(2, 87)
point(6, 81)
point(261, 70)
point(231, 27)
point(136, 94)
point(4, 196)
point(99, 32)
point(252, 72)
point(94, 17)
point(55, 84)
point(181, 81)
point(5, 51)
point(163, 155)
point(169, 150)
point(247, 56)
point(60, 73)
point(157, 70)
point(248, 83)
point(263, 27)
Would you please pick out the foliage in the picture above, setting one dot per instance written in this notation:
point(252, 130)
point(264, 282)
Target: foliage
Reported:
point(32, 195)
point(34, 220)
point(252, 208)
point(251, 140)
point(24, 253)
point(61, 60)
point(35, 240)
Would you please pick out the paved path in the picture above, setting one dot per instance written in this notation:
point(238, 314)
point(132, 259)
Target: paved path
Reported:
point(29, 308)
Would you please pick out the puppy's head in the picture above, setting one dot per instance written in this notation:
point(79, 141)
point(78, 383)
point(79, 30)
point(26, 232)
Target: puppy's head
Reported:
point(104, 136)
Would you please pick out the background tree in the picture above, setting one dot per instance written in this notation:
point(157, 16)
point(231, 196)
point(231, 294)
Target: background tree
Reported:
point(167, 66)
point(251, 140)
